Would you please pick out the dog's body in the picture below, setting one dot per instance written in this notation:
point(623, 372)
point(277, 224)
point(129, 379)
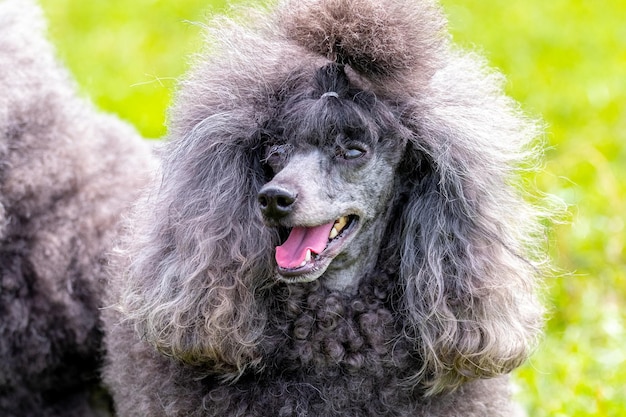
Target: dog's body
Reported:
point(380, 163)
point(67, 173)
point(326, 354)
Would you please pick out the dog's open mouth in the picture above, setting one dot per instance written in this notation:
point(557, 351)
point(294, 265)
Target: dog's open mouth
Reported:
point(308, 251)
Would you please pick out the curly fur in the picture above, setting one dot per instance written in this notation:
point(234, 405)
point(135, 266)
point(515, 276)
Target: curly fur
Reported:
point(67, 172)
point(427, 304)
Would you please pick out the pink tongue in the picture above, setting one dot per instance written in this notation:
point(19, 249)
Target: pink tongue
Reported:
point(291, 254)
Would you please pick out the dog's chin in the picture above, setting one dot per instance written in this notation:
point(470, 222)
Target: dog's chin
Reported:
point(314, 268)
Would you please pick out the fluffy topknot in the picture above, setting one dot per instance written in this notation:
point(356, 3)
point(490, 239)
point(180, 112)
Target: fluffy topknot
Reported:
point(377, 39)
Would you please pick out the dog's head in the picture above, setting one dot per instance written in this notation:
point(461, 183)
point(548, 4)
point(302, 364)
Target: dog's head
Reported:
point(331, 153)
point(350, 131)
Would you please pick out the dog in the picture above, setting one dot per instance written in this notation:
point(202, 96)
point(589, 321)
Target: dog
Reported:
point(337, 227)
point(68, 173)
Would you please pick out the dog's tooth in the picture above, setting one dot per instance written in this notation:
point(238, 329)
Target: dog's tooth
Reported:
point(333, 233)
point(341, 223)
point(307, 257)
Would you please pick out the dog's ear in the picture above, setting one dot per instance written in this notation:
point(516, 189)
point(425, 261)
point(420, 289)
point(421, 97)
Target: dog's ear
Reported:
point(200, 255)
point(200, 251)
point(467, 237)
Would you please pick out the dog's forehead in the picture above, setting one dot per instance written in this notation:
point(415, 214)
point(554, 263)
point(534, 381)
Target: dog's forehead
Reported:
point(326, 121)
point(323, 108)
point(331, 135)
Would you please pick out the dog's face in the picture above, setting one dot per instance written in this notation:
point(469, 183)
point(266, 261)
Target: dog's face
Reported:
point(332, 164)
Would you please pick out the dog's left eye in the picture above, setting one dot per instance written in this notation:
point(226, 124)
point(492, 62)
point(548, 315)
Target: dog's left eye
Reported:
point(351, 151)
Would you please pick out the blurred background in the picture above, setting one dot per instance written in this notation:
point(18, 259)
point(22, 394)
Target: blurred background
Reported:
point(565, 61)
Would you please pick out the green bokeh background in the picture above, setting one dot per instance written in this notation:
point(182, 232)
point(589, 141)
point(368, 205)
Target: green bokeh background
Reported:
point(565, 61)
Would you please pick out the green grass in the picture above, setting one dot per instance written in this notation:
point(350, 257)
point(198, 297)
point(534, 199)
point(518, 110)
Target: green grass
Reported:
point(127, 54)
point(565, 61)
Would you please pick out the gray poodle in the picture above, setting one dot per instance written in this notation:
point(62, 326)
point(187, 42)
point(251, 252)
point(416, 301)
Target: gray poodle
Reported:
point(67, 173)
point(337, 228)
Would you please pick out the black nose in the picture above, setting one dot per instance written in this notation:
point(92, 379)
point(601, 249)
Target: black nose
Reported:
point(276, 202)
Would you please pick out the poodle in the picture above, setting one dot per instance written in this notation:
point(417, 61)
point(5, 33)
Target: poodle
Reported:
point(337, 227)
point(67, 173)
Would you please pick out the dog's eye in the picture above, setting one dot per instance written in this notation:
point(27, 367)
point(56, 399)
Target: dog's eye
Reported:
point(276, 153)
point(275, 158)
point(351, 151)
